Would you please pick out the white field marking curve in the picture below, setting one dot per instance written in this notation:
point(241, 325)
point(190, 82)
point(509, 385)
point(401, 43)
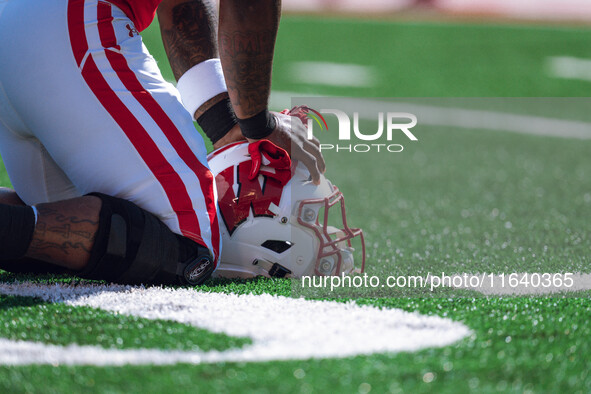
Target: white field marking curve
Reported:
point(433, 115)
point(281, 328)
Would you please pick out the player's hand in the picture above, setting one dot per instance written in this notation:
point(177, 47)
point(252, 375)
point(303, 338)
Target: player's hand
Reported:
point(234, 135)
point(291, 135)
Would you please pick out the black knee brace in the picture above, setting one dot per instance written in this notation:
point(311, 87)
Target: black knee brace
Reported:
point(17, 225)
point(133, 246)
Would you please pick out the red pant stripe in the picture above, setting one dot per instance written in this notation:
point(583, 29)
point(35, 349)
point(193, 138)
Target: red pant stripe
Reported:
point(76, 29)
point(171, 182)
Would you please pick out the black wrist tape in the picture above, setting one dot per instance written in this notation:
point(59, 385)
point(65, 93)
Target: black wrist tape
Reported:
point(259, 126)
point(218, 120)
point(17, 224)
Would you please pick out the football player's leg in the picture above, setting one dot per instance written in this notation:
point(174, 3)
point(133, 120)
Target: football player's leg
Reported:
point(99, 237)
point(159, 132)
point(56, 228)
point(113, 125)
point(32, 171)
point(61, 232)
point(65, 232)
point(58, 233)
point(133, 246)
point(80, 234)
point(38, 178)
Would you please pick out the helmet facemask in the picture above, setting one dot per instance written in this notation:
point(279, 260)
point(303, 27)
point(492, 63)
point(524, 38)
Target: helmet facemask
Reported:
point(335, 249)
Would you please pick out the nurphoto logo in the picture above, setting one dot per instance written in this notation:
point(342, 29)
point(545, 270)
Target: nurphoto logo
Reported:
point(363, 141)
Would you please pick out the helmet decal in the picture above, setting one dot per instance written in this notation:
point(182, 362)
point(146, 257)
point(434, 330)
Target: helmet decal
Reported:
point(235, 207)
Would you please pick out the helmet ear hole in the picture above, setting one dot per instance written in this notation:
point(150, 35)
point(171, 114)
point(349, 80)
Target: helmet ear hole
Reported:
point(277, 246)
point(326, 266)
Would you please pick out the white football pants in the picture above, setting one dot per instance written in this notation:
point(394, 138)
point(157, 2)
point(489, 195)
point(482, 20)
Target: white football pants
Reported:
point(84, 108)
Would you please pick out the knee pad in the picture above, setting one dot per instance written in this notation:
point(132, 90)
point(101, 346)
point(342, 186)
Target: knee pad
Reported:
point(133, 246)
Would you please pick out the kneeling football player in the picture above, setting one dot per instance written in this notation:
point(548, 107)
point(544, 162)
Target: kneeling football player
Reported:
point(112, 178)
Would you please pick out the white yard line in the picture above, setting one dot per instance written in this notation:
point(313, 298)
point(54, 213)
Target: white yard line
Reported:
point(568, 67)
point(333, 74)
point(281, 328)
point(432, 115)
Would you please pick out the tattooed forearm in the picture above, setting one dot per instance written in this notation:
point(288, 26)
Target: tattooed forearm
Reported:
point(248, 59)
point(188, 33)
point(247, 41)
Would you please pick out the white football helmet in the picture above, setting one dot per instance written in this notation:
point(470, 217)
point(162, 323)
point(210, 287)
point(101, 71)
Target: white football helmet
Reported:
point(279, 228)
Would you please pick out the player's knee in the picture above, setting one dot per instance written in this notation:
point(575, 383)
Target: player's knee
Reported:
point(134, 246)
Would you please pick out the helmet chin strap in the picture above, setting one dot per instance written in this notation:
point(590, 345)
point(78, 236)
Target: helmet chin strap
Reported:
point(275, 270)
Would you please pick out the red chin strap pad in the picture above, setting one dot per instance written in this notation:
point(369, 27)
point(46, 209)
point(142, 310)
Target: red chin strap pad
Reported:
point(274, 157)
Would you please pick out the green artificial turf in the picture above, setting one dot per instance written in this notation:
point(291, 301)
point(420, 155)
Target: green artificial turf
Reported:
point(27, 319)
point(455, 201)
point(413, 59)
point(471, 201)
point(517, 345)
